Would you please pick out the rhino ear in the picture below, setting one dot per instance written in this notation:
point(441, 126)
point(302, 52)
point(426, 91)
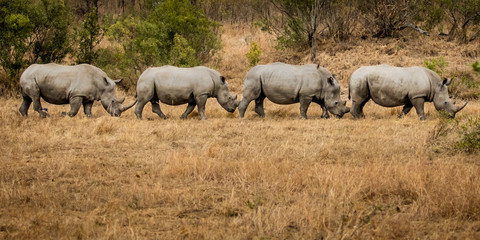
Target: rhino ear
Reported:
point(334, 76)
point(105, 79)
point(330, 81)
point(222, 78)
point(447, 82)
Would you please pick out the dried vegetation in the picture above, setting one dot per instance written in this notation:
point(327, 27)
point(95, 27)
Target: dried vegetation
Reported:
point(228, 178)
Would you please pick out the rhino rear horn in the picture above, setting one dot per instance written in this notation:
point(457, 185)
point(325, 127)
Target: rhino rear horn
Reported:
point(125, 108)
point(121, 100)
point(460, 108)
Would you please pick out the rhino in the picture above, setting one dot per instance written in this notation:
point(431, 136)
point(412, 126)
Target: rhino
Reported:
point(77, 85)
point(176, 86)
point(287, 84)
point(390, 86)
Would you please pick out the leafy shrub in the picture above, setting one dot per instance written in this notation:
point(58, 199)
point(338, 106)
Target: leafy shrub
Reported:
point(253, 55)
point(470, 140)
point(31, 31)
point(89, 36)
point(437, 65)
point(175, 33)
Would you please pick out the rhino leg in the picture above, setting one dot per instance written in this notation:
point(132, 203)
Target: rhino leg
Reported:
point(406, 108)
point(259, 105)
point(242, 107)
point(75, 104)
point(87, 108)
point(418, 103)
point(201, 102)
point(25, 105)
point(324, 108)
point(304, 104)
point(37, 106)
point(139, 107)
point(357, 108)
point(156, 109)
point(190, 107)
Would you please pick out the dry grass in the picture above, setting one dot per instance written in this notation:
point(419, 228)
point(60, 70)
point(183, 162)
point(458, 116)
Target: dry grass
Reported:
point(228, 178)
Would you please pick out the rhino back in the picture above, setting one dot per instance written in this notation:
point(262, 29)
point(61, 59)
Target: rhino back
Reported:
point(282, 83)
point(177, 86)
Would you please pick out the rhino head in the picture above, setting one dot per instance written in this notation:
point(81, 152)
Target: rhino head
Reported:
point(225, 98)
point(110, 101)
point(441, 100)
point(332, 100)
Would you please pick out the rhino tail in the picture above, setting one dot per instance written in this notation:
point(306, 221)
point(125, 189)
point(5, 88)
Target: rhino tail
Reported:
point(349, 90)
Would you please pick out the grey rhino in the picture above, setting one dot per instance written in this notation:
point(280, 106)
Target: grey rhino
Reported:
point(175, 86)
point(390, 86)
point(287, 84)
point(78, 85)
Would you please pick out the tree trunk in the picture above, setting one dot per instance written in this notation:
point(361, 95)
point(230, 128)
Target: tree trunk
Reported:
point(313, 42)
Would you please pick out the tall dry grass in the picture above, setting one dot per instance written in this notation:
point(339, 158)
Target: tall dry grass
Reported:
point(228, 178)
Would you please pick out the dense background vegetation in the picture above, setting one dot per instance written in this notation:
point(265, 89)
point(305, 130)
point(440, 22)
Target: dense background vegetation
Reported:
point(124, 37)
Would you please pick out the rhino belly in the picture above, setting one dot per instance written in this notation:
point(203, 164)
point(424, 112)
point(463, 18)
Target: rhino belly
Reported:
point(175, 97)
point(281, 95)
point(387, 97)
point(54, 96)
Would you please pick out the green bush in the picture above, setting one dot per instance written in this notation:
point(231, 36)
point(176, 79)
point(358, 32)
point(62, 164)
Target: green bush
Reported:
point(30, 32)
point(175, 33)
point(476, 67)
point(437, 65)
point(470, 136)
point(89, 36)
point(253, 55)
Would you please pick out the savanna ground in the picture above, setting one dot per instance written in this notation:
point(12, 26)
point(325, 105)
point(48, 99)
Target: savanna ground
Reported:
point(229, 178)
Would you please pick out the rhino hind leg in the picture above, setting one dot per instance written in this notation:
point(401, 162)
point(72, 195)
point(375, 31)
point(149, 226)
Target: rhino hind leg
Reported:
point(357, 108)
point(75, 104)
point(25, 105)
point(156, 109)
point(87, 108)
point(419, 103)
point(259, 105)
point(190, 107)
point(304, 104)
point(37, 106)
point(406, 108)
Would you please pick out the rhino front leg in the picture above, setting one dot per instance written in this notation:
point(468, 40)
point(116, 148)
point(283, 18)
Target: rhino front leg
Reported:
point(201, 102)
point(190, 107)
point(418, 103)
point(75, 104)
point(408, 106)
point(25, 105)
point(87, 108)
point(324, 108)
point(304, 104)
point(259, 106)
point(156, 109)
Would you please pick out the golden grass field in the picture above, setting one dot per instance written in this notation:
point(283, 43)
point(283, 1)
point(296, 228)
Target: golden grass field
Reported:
point(227, 178)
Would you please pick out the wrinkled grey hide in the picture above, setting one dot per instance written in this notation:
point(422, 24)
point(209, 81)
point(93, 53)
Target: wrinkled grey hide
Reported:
point(176, 86)
point(287, 84)
point(395, 86)
point(77, 85)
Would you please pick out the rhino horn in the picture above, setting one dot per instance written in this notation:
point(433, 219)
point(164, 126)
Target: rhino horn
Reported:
point(121, 100)
point(460, 108)
point(347, 110)
point(117, 81)
point(123, 108)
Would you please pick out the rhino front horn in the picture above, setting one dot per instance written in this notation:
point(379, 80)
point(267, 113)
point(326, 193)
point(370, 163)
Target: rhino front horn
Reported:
point(460, 108)
point(123, 108)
